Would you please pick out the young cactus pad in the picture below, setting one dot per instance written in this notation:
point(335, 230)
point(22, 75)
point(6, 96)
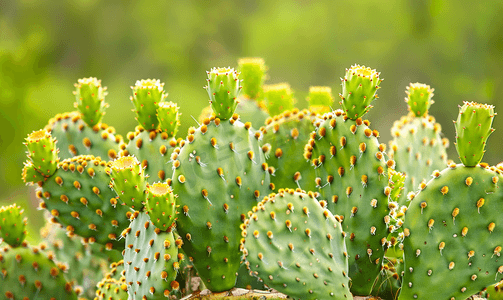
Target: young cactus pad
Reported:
point(473, 127)
point(151, 258)
point(278, 98)
point(128, 181)
point(359, 87)
point(78, 197)
point(253, 74)
point(90, 100)
point(169, 117)
point(223, 88)
point(12, 225)
point(453, 230)
point(161, 205)
point(220, 173)
point(351, 176)
point(42, 152)
point(296, 246)
point(320, 99)
point(147, 95)
point(30, 273)
point(419, 98)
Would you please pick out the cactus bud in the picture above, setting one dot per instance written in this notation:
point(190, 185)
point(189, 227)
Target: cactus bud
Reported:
point(161, 205)
point(147, 94)
point(473, 127)
point(359, 87)
point(223, 88)
point(128, 181)
point(278, 98)
point(169, 117)
point(253, 76)
point(320, 99)
point(419, 98)
point(90, 100)
point(42, 152)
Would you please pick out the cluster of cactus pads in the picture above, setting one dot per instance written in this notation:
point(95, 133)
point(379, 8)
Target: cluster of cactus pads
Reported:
point(307, 202)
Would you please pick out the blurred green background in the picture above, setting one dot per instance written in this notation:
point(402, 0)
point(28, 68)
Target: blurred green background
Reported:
point(45, 46)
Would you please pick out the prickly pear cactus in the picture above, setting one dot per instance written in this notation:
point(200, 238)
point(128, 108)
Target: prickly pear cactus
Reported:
point(320, 99)
point(12, 225)
point(494, 292)
point(418, 147)
point(151, 259)
point(220, 173)
point(359, 87)
point(42, 152)
point(284, 139)
point(30, 273)
point(296, 246)
point(90, 99)
point(78, 197)
point(161, 206)
point(389, 281)
point(128, 181)
point(452, 225)
point(351, 176)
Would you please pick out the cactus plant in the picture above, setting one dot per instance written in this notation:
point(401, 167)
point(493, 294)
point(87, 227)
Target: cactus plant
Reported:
point(12, 225)
point(220, 172)
point(452, 224)
point(418, 147)
point(351, 176)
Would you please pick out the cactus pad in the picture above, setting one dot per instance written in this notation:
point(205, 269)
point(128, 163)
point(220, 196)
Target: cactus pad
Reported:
point(75, 137)
point(78, 196)
point(147, 95)
point(30, 273)
point(223, 88)
point(169, 117)
point(90, 100)
point(278, 98)
point(42, 152)
point(151, 259)
point(219, 175)
point(351, 176)
point(320, 99)
point(284, 139)
point(253, 74)
point(453, 230)
point(161, 205)
point(297, 247)
point(419, 98)
point(359, 87)
point(128, 181)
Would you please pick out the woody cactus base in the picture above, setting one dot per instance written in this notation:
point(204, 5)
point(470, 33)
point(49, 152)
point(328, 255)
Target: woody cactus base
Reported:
point(261, 195)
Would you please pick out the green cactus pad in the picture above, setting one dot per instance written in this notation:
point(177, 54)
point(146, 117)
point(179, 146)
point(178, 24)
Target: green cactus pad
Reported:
point(30, 174)
point(253, 75)
point(30, 272)
point(169, 117)
point(351, 176)
point(128, 181)
point(359, 87)
point(320, 99)
point(76, 138)
point(494, 292)
point(453, 230)
point(473, 127)
point(161, 205)
point(223, 88)
point(418, 149)
point(153, 149)
point(296, 246)
point(90, 100)
point(278, 98)
point(83, 264)
point(419, 98)
point(113, 286)
point(151, 259)
point(42, 152)
point(220, 173)
point(284, 139)
point(78, 196)
point(248, 111)
point(147, 95)
point(12, 225)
